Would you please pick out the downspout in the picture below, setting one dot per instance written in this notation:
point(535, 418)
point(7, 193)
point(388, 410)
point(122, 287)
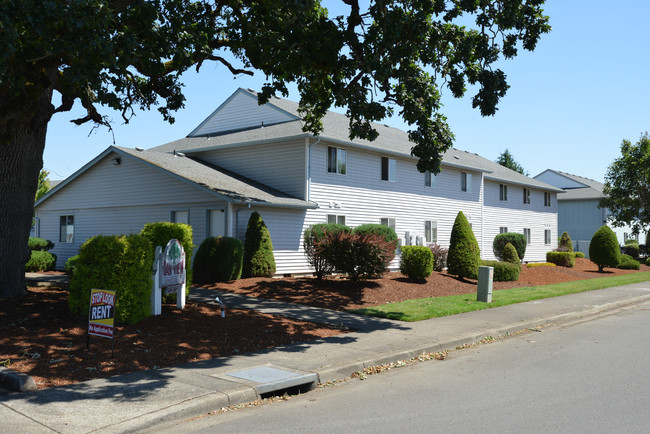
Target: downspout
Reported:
point(308, 195)
point(483, 212)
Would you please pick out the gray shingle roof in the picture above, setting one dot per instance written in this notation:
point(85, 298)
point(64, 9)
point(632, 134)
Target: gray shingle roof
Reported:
point(336, 129)
point(232, 187)
point(592, 190)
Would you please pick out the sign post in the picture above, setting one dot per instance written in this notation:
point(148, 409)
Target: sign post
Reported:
point(169, 274)
point(101, 315)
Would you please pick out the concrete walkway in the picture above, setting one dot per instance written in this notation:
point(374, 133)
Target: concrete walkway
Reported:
point(144, 400)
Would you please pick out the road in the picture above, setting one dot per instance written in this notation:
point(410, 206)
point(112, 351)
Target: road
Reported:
point(589, 377)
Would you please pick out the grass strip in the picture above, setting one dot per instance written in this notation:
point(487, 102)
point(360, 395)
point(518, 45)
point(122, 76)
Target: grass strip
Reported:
point(434, 307)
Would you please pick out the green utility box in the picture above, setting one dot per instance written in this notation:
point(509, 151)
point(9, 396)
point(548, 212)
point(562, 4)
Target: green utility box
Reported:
point(485, 277)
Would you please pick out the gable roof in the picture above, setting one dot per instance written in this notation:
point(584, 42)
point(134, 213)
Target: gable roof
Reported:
point(222, 183)
point(391, 142)
point(590, 190)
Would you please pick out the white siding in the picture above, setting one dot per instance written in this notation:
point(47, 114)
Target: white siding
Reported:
point(278, 165)
point(515, 215)
point(240, 112)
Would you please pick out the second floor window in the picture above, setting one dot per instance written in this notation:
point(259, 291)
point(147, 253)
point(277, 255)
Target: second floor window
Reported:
point(527, 195)
point(547, 199)
point(387, 169)
point(503, 192)
point(336, 160)
point(465, 181)
point(430, 180)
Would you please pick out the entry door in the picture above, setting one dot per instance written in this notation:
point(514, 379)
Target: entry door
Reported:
point(217, 222)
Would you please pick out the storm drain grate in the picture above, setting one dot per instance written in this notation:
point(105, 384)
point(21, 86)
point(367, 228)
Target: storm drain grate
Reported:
point(270, 379)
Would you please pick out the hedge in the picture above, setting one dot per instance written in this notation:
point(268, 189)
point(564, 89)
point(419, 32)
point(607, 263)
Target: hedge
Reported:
point(631, 249)
point(121, 263)
point(517, 240)
point(563, 259)
point(541, 264)
point(218, 259)
point(416, 262)
point(39, 244)
point(71, 264)
point(628, 263)
point(40, 260)
point(503, 271)
point(579, 255)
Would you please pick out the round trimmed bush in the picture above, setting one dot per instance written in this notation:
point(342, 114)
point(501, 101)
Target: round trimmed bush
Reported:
point(39, 244)
point(464, 254)
point(258, 249)
point(218, 259)
point(631, 249)
point(565, 243)
point(604, 250)
point(579, 255)
point(311, 237)
point(416, 262)
point(121, 263)
point(503, 271)
point(374, 229)
point(628, 263)
point(517, 240)
point(563, 259)
point(510, 254)
point(40, 260)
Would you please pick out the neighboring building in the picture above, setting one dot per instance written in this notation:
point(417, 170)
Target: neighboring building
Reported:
point(245, 157)
point(578, 211)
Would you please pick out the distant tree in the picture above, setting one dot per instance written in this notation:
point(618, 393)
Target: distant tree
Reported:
point(507, 160)
point(627, 186)
point(43, 184)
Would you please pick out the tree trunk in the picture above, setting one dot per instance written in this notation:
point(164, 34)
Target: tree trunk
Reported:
point(22, 140)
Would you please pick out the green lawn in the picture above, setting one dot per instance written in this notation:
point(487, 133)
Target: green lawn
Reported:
point(425, 308)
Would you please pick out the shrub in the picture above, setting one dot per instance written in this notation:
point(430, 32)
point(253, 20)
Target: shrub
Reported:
point(517, 240)
point(218, 259)
point(578, 255)
point(311, 237)
point(439, 256)
point(71, 264)
point(464, 254)
point(360, 256)
point(39, 244)
point(416, 262)
point(117, 262)
point(40, 260)
point(628, 263)
point(631, 249)
point(631, 241)
point(563, 259)
point(503, 271)
point(374, 229)
point(565, 243)
point(604, 250)
point(541, 264)
point(258, 249)
point(510, 254)
point(647, 261)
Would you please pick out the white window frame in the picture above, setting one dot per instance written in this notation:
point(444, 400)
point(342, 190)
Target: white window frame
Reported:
point(527, 196)
point(68, 236)
point(430, 180)
point(466, 182)
point(528, 236)
point(503, 229)
point(336, 160)
point(431, 231)
point(172, 217)
point(503, 192)
point(336, 218)
point(388, 169)
point(388, 221)
point(547, 237)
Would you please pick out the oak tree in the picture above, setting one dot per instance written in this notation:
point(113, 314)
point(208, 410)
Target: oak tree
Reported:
point(390, 57)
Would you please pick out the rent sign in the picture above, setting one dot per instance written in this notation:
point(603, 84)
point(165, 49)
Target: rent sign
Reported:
point(102, 313)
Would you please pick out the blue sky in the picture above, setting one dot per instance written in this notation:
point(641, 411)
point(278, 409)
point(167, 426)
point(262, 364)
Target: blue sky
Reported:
point(571, 102)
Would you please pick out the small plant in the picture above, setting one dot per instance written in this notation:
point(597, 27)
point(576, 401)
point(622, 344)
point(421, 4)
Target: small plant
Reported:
point(565, 243)
point(40, 260)
point(464, 254)
point(258, 249)
point(39, 244)
point(604, 250)
point(517, 240)
point(563, 259)
point(439, 256)
point(416, 262)
point(504, 271)
point(579, 255)
point(628, 263)
point(510, 254)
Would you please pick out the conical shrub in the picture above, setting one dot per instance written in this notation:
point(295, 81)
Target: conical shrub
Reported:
point(258, 249)
point(464, 255)
point(565, 243)
point(604, 250)
point(510, 254)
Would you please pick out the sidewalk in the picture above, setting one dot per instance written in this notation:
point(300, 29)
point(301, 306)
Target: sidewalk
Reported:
point(143, 400)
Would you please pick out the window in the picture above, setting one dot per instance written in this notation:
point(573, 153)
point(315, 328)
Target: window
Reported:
point(547, 236)
point(390, 222)
point(547, 199)
point(180, 217)
point(387, 169)
point(503, 230)
point(527, 235)
point(431, 231)
point(465, 181)
point(430, 180)
point(503, 192)
point(336, 160)
point(527, 195)
point(66, 229)
point(333, 218)
point(216, 222)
